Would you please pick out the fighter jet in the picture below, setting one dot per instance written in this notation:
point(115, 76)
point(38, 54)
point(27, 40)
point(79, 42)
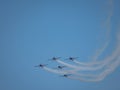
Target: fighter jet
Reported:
point(41, 65)
point(72, 58)
point(66, 75)
point(55, 58)
point(60, 67)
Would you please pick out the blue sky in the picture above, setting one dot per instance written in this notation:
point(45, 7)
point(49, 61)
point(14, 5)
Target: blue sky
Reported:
point(33, 31)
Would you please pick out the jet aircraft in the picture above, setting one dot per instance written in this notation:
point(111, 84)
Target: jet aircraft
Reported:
point(72, 58)
point(41, 65)
point(55, 58)
point(66, 75)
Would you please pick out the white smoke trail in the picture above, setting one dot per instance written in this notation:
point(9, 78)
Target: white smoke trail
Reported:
point(107, 26)
point(61, 71)
point(55, 71)
point(110, 68)
point(100, 51)
point(88, 63)
point(66, 64)
point(65, 72)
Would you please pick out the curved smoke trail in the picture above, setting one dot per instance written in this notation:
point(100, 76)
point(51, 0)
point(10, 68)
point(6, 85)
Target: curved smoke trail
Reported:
point(107, 26)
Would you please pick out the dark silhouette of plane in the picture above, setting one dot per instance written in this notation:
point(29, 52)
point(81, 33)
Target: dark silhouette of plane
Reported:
point(60, 67)
point(41, 65)
point(66, 75)
point(72, 58)
point(55, 58)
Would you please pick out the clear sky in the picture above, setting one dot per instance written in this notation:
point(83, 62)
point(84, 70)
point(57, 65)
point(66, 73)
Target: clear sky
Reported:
point(32, 31)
